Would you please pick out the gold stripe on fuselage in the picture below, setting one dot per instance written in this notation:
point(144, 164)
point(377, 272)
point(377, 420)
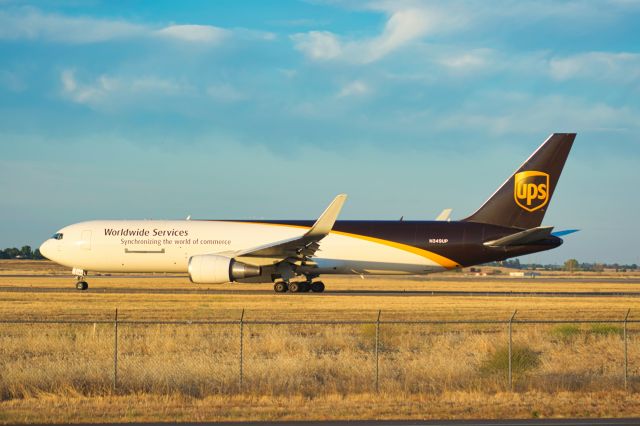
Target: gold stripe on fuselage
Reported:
point(435, 257)
point(440, 260)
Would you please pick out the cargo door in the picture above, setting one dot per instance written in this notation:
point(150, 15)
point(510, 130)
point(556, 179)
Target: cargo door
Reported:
point(85, 240)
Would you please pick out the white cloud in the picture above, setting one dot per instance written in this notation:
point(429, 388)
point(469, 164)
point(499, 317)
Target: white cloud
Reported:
point(597, 65)
point(467, 61)
point(193, 33)
point(79, 94)
point(318, 45)
point(514, 113)
point(28, 23)
point(410, 21)
point(31, 24)
point(68, 80)
point(107, 89)
point(402, 27)
point(407, 22)
point(355, 88)
point(440, 63)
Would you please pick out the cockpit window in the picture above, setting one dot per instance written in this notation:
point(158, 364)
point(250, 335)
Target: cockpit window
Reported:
point(57, 236)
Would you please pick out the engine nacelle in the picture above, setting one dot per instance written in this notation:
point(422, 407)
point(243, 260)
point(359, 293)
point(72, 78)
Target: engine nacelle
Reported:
point(216, 269)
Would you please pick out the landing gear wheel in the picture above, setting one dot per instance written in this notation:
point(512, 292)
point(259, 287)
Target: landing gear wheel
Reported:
point(82, 285)
point(294, 287)
point(317, 287)
point(280, 287)
point(305, 287)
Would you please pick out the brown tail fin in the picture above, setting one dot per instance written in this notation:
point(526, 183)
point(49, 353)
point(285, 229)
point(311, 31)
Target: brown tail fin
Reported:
point(523, 199)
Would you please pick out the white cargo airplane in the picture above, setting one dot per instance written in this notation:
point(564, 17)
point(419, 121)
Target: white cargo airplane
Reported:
point(507, 225)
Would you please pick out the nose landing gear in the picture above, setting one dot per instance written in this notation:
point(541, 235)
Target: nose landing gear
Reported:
point(81, 284)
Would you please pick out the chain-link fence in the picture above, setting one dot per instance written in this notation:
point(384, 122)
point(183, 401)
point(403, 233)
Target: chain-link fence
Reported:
point(316, 357)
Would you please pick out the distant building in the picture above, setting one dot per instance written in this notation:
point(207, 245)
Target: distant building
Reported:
point(523, 274)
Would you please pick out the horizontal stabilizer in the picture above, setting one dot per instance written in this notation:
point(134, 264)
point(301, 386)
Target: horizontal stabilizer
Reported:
point(565, 232)
point(521, 238)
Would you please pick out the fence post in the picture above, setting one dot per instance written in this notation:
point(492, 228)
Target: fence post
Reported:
point(377, 349)
point(626, 356)
point(241, 349)
point(511, 350)
point(115, 352)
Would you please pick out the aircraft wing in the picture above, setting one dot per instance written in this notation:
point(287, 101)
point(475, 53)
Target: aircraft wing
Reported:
point(297, 249)
point(523, 237)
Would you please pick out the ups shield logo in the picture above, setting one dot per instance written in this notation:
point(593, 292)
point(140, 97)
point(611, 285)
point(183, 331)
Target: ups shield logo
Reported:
point(531, 190)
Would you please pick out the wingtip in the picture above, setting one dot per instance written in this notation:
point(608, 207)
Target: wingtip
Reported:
point(340, 198)
point(564, 232)
point(327, 219)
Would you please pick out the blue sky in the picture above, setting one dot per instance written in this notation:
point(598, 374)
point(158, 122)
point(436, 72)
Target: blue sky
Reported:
point(260, 109)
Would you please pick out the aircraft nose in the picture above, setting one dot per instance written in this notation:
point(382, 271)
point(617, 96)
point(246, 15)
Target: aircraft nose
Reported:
point(45, 249)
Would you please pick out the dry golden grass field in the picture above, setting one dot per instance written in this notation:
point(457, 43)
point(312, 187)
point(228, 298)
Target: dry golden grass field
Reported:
point(186, 371)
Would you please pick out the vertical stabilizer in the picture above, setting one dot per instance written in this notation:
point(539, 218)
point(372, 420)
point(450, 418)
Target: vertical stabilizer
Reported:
point(523, 199)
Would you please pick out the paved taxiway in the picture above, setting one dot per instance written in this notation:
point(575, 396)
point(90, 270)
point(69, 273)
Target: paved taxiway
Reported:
point(399, 278)
point(267, 290)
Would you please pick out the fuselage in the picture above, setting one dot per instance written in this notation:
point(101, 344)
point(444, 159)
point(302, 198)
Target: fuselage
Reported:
point(352, 246)
point(508, 224)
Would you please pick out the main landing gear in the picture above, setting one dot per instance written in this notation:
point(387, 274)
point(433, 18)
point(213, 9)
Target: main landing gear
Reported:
point(299, 287)
point(81, 284)
point(280, 287)
point(317, 287)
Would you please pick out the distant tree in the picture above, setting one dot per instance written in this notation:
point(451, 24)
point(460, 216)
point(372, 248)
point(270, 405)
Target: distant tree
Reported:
point(571, 265)
point(511, 263)
point(585, 267)
point(26, 252)
point(37, 255)
point(12, 252)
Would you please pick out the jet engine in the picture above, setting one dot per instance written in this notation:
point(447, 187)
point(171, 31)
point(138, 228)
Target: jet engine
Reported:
point(216, 269)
